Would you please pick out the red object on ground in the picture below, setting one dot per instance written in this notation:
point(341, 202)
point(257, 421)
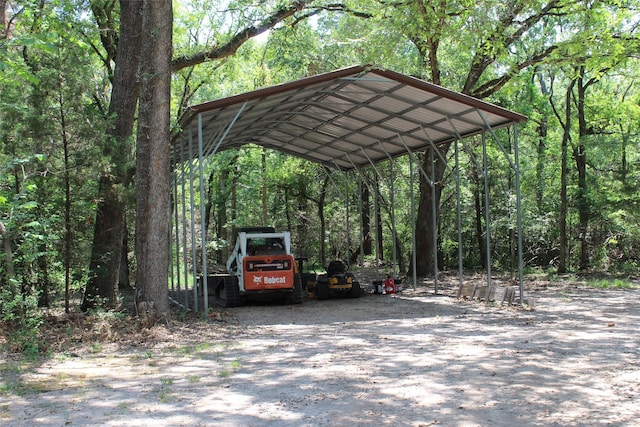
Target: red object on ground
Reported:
point(390, 286)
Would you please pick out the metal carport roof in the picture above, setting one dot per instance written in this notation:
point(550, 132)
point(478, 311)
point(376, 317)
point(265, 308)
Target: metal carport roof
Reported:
point(346, 118)
point(343, 119)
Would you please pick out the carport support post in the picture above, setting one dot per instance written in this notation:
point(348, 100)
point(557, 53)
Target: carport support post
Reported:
point(360, 207)
point(487, 216)
point(515, 165)
point(185, 251)
point(459, 215)
point(171, 283)
point(518, 210)
point(176, 214)
point(375, 207)
point(434, 151)
point(393, 220)
point(435, 222)
point(414, 257)
point(346, 202)
point(433, 207)
point(377, 219)
point(393, 209)
point(361, 185)
point(458, 203)
point(194, 253)
point(203, 226)
point(413, 223)
point(393, 226)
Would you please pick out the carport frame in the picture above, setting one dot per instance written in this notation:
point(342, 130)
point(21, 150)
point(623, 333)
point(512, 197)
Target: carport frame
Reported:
point(323, 114)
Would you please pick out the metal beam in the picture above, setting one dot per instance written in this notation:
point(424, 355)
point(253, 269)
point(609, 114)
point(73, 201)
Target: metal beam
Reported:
point(518, 211)
point(434, 222)
point(487, 214)
point(414, 257)
point(203, 225)
point(194, 252)
point(459, 216)
point(185, 250)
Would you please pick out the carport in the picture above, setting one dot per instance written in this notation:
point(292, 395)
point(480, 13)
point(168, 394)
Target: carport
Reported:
point(345, 120)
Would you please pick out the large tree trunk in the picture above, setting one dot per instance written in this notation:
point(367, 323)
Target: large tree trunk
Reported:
point(323, 225)
point(106, 251)
point(564, 173)
point(541, 163)
point(153, 160)
point(4, 28)
point(541, 148)
point(8, 253)
point(365, 246)
point(378, 220)
point(424, 223)
point(625, 133)
point(226, 186)
point(580, 157)
point(263, 190)
point(108, 235)
point(303, 224)
point(366, 219)
point(221, 210)
point(208, 207)
point(479, 214)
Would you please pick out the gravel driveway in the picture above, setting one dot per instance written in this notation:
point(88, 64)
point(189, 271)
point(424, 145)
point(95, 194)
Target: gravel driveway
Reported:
point(413, 359)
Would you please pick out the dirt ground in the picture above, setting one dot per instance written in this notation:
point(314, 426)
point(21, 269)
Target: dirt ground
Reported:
point(413, 359)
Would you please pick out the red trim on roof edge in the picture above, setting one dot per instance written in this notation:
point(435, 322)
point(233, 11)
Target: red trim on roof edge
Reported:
point(354, 70)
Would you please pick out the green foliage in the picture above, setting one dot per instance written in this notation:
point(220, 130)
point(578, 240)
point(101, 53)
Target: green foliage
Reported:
point(612, 284)
point(51, 92)
point(22, 321)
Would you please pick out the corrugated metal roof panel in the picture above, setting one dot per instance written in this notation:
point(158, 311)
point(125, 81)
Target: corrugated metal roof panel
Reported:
point(344, 118)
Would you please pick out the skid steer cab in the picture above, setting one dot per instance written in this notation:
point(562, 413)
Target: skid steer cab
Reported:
point(337, 282)
point(260, 267)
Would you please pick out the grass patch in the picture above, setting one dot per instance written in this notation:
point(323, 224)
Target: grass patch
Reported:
point(189, 350)
point(165, 396)
point(4, 411)
point(234, 366)
point(611, 284)
point(95, 347)
point(20, 388)
point(11, 383)
point(9, 387)
point(202, 347)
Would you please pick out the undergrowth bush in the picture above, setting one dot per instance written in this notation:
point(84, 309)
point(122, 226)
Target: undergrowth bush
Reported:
point(21, 321)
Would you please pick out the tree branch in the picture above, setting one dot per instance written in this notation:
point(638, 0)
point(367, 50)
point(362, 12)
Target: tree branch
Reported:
point(487, 51)
point(228, 49)
point(492, 86)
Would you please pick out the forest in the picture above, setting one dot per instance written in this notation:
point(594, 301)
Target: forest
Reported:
point(92, 91)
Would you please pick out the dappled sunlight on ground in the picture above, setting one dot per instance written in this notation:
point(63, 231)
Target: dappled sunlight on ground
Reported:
point(413, 359)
